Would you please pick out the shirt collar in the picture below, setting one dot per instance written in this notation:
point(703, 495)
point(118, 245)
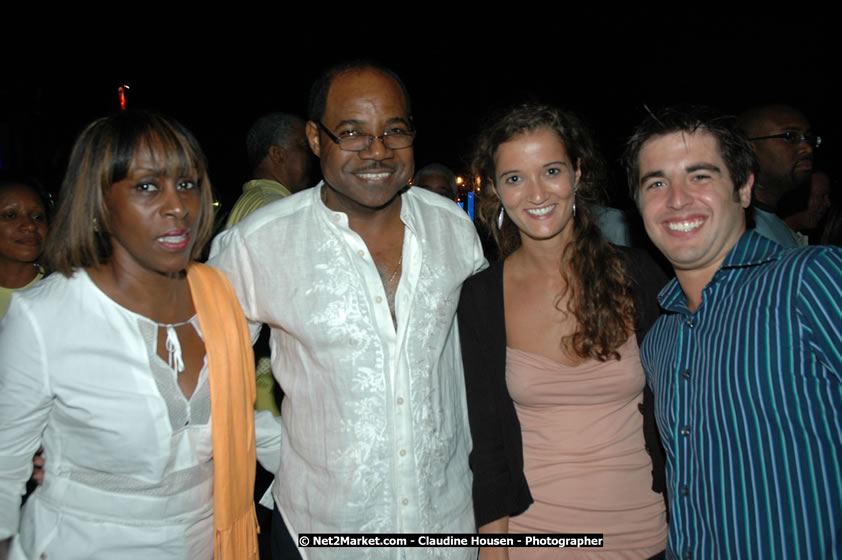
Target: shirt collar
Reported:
point(407, 206)
point(751, 249)
point(267, 185)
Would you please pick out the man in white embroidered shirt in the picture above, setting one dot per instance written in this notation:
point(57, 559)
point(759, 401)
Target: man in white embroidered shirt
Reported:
point(359, 280)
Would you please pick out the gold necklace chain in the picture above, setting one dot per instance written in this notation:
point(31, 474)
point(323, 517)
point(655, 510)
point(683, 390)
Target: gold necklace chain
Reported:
point(397, 268)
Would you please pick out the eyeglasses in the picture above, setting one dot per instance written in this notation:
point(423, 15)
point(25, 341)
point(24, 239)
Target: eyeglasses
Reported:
point(352, 141)
point(794, 138)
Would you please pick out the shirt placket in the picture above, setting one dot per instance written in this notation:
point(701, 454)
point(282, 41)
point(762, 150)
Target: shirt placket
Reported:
point(405, 479)
point(687, 485)
point(397, 382)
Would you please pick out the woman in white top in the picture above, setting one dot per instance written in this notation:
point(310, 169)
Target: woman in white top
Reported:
point(121, 361)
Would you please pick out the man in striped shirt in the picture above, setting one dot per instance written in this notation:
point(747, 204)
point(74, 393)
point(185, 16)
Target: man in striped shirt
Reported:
point(746, 363)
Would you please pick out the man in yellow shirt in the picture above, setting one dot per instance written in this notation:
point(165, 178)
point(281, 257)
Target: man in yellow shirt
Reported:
point(280, 160)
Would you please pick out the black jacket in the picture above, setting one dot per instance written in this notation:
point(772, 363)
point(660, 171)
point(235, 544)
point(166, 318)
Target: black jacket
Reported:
point(500, 487)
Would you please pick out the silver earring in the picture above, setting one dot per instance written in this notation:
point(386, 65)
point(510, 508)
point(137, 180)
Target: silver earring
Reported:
point(500, 218)
point(574, 202)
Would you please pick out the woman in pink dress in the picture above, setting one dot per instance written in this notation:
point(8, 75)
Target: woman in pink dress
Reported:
point(550, 336)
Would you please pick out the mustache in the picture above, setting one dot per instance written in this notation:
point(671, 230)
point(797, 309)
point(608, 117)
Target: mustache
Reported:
point(374, 167)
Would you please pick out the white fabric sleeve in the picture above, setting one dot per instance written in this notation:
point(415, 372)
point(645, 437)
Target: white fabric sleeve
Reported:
point(229, 254)
point(479, 261)
point(267, 432)
point(25, 403)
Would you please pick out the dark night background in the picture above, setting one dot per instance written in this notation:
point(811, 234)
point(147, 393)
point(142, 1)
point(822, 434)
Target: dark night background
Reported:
point(601, 64)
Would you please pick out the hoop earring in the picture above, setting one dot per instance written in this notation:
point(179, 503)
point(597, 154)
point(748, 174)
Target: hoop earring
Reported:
point(500, 218)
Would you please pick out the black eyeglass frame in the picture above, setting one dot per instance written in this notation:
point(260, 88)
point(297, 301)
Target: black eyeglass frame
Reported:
point(794, 138)
point(370, 137)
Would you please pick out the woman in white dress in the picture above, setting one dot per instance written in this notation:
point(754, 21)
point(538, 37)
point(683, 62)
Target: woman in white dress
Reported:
point(122, 360)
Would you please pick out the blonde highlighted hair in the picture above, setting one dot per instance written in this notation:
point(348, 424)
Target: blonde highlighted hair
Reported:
point(103, 155)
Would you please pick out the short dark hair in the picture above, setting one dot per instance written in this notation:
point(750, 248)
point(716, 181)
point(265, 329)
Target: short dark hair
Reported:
point(321, 87)
point(103, 155)
point(8, 179)
point(749, 120)
point(441, 170)
point(734, 147)
point(271, 129)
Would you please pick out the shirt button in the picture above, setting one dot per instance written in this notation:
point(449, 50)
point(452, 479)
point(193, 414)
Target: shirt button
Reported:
point(403, 453)
point(405, 501)
point(685, 430)
point(378, 299)
point(684, 490)
point(400, 400)
point(361, 253)
point(688, 554)
point(336, 217)
point(691, 323)
point(685, 374)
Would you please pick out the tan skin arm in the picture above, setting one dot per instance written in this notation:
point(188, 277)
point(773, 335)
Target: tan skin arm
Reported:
point(495, 553)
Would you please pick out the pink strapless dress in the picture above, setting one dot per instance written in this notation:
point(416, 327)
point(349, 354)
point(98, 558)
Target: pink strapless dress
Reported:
point(584, 455)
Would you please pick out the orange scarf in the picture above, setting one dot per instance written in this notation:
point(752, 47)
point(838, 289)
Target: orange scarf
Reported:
point(232, 394)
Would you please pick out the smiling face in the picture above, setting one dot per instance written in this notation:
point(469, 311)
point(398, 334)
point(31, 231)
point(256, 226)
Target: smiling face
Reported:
point(362, 101)
point(23, 225)
point(152, 215)
point(535, 181)
point(687, 199)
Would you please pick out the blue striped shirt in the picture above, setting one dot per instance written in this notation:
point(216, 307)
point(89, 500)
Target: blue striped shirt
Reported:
point(748, 393)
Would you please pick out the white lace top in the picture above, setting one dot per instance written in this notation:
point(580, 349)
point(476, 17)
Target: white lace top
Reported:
point(376, 436)
point(129, 469)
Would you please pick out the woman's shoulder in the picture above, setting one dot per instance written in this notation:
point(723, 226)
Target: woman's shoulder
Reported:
point(56, 304)
point(482, 294)
point(486, 278)
point(53, 287)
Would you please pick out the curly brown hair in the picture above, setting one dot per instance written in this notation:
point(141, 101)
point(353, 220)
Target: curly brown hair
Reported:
point(595, 275)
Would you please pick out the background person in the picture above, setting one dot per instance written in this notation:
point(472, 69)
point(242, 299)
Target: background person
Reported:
point(280, 160)
point(805, 208)
point(23, 230)
point(783, 143)
point(550, 340)
point(437, 178)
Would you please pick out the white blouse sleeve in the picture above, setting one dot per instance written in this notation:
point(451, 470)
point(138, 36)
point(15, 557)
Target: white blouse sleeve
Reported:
point(25, 402)
point(267, 431)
